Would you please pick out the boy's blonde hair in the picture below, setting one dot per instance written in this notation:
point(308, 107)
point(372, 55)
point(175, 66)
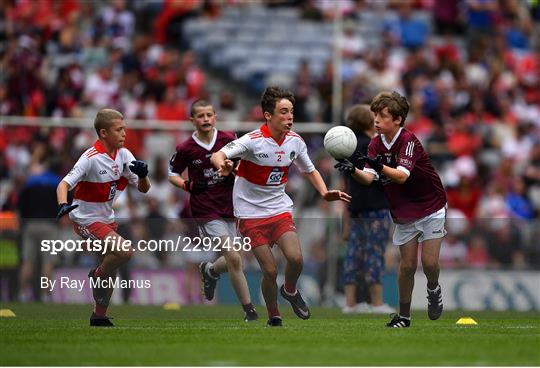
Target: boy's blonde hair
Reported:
point(104, 119)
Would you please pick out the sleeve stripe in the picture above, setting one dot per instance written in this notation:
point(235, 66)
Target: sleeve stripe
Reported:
point(410, 149)
point(404, 169)
point(371, 171)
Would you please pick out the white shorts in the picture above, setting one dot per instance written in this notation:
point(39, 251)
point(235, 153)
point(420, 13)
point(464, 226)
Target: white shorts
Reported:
point(212, 229)
point(218, 227)
point(429, 227)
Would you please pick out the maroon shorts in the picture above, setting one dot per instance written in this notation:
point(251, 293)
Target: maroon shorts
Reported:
point(266, 230)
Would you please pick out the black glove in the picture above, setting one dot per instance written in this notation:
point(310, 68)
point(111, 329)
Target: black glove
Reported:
point(345, 166)
point(195, 187)
point(139, 168)
point(375, 163)
point(64, 209)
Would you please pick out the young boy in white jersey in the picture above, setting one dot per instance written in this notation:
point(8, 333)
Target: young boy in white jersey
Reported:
point(98, 177)
point(211, 201)
point(262, 207)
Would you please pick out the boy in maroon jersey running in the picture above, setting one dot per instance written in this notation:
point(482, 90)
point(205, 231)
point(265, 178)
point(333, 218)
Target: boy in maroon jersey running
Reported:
point(416, 196)
point(211, 201)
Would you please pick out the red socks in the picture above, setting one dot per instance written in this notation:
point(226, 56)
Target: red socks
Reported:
point(273, 312)
point(99, 272)
point(290, 288)
point(100, 311)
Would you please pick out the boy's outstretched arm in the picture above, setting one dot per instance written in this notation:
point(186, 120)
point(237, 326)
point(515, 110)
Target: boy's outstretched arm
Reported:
point(317, 181)
point(222, 163)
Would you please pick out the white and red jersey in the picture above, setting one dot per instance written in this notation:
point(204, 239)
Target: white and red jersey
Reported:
point(259, 189)
point(97, 179)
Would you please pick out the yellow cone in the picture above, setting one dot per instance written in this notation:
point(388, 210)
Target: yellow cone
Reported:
point(171, 306)
point(466, 321)
point(6, 313)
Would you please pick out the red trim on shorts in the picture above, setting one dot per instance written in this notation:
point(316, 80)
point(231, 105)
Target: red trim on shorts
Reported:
point(96, 230)
point(266, 231)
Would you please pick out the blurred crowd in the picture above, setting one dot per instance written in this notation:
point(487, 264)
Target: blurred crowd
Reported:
point(470, 69)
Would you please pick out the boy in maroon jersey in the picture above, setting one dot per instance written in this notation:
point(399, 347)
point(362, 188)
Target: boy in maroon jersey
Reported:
point(211, 200)
point(416, 196)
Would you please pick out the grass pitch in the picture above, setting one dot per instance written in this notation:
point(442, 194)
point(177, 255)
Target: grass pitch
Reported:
point(59, 335)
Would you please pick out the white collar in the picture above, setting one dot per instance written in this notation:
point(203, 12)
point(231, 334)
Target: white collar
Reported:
point(389, 145)
point(208, 146)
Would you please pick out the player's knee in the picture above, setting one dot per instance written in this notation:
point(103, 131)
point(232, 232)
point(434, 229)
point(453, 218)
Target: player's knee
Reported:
point(296, 261)
point(430, 264)
point(407, 268)
point(125, 256)
point(270, 273)
point(234, 261)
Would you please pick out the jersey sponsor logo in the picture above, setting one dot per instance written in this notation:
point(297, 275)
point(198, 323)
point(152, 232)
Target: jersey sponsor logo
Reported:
point(102, 172)
point(261, 174)
point(230, 145)
point(409, 150)
point(405, 162)
point(292, 156)
point(275, 176)
point(262, 155)
point(99, 192)
point(212, 176)
point(196, 161)
point(112, 191)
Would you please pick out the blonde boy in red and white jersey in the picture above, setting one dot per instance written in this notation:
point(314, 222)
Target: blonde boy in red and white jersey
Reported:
point(99, 176)
point(260, 203)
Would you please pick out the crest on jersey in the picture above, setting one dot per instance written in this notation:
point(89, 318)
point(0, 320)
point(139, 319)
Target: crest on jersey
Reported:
point(293, 155)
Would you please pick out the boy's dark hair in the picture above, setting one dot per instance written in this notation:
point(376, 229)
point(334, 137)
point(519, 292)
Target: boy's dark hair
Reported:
point(272, 95)
point(396, 103)
point(359, 118)
point(198, 103)
point(104, 119)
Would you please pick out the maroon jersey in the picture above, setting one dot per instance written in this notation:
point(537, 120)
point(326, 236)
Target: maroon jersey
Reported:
point(216, 200)
point(423, 192)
